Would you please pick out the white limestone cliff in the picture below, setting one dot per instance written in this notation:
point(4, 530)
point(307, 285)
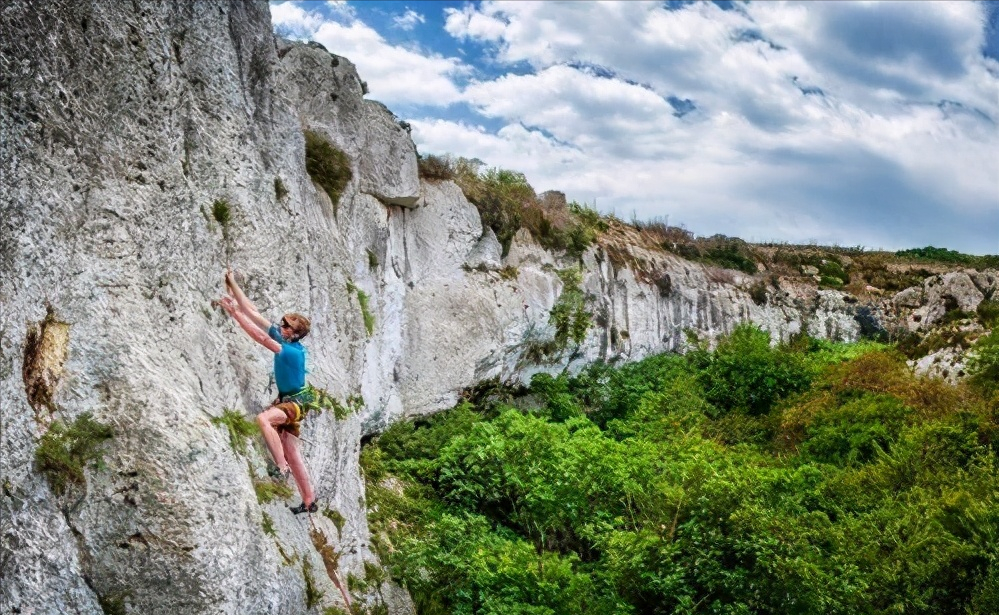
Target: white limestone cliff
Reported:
point(123, 125)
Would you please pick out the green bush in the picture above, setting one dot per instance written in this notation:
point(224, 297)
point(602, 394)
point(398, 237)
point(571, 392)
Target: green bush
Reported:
point(832, 270)
point(936, 254)
point(988, 312)
point(758, 292)
point(418, 443)
point(718, 250)
point(66, 450)
point(857, 431)
point(560, 404)
point(569, 315)
point(729, 256)
point(746, 373)
point(983, 364)
point(943, 255)
point(327, 165)
point(609, 394)
point(506, 203)
point(500, 195)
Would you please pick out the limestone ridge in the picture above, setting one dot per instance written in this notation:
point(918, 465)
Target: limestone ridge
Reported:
point(143, 146)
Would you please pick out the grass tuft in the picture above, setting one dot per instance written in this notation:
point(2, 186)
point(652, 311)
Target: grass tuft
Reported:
point(312, 593)
point(327, 165)
point(66, 450)
point(279, 189)
point(363, 300)
point(337, 519)
point(268, 489)
point(222, 212)
point(239, 428)
point(268, 524)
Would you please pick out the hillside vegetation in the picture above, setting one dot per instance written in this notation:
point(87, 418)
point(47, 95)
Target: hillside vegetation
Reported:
point(809, 478)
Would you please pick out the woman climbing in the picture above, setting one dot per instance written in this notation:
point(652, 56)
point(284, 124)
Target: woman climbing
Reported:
point(280, 422)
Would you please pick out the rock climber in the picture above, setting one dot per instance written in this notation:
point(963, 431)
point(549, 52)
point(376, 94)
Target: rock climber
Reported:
point(280, 423)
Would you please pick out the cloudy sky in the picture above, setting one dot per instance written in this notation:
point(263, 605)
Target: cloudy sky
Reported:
point(856, 124)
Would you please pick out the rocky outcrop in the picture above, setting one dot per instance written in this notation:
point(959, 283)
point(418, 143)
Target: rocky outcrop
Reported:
point(921, 308)
point(143, 146)
point(326, 90)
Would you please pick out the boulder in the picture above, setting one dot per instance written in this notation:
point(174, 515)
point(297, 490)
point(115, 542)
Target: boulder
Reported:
point(487, 252)
point(954, 290)
point(909, 298)
point(942, 294)
point(986, 281)
point(388, 164)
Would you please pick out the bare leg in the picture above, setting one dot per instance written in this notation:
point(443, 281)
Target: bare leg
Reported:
point(294, 457)
point(268, 420)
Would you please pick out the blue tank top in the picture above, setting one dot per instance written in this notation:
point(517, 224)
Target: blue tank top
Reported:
point(289, 364)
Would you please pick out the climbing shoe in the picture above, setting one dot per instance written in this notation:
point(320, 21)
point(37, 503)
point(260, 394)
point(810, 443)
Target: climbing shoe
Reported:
point(301, 508)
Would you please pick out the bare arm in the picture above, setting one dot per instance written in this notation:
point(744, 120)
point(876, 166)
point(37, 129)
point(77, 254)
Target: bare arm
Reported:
point(245, 305)
point(262, 338)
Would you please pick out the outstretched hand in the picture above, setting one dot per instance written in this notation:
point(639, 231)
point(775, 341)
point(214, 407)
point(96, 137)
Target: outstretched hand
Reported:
point(230, 280)
point(228, 304)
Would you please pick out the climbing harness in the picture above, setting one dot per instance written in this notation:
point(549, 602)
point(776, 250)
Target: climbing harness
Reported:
point(297, 406)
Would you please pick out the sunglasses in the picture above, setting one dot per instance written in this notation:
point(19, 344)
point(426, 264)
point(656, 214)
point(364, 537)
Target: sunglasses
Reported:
point(284, 323)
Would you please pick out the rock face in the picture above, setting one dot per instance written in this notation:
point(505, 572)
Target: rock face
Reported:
point(142, 148)
point(920, 308)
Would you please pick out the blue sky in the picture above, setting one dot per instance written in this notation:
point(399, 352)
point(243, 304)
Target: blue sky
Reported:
point(850, 123)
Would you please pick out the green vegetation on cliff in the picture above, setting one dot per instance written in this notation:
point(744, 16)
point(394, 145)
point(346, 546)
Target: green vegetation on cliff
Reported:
point(507, 203)
point(67, 449)
point(811, 478)
point(327, 165)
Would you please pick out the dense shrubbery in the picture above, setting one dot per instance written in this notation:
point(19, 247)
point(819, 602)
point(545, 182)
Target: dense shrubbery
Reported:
point(983, 365)
point(818, 478)
point(988, 312)
point(745, 374)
